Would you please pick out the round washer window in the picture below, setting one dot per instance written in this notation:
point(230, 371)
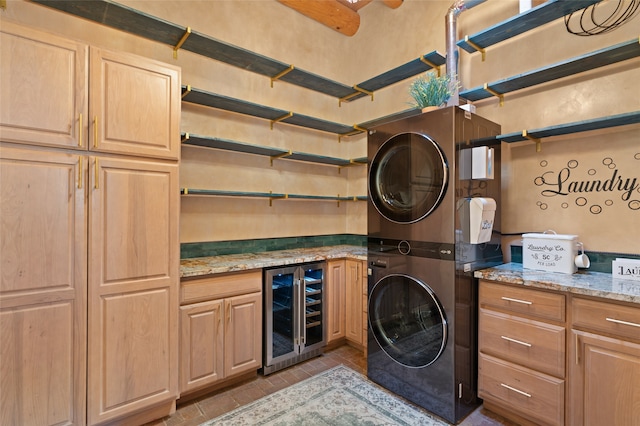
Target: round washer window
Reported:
point(407, 320)
point(408, 177)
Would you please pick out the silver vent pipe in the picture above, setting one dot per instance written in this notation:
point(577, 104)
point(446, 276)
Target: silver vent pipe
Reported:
point(451, 21)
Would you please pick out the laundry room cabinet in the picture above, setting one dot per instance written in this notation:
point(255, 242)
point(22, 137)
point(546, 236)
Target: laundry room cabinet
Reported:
point(220, 328)
point(346, 299)
point(89, 233)
point(604, 363)
point(336, 294)
point(521, 360)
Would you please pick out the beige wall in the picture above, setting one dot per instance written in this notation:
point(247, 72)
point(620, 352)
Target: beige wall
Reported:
point(386, 38)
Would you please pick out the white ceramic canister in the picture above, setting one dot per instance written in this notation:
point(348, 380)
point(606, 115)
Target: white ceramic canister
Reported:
point(550, 252)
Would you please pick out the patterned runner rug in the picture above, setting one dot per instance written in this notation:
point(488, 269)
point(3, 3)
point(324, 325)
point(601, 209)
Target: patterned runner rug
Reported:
point(337, 397)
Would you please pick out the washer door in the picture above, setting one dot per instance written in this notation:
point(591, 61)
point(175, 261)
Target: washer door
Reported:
point(407, 320)
point(408, 177)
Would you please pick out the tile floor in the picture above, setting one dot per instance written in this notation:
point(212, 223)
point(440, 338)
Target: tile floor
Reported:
point(210, 406)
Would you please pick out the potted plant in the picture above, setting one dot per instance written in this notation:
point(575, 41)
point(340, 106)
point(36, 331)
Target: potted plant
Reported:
point(431, 90)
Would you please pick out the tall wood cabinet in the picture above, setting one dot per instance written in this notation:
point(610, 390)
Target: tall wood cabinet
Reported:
point(89, 232)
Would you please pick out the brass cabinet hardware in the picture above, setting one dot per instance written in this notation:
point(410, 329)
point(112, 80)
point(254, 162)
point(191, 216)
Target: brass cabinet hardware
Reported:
point(520, 342)
point(509, 299)
point(511, 388)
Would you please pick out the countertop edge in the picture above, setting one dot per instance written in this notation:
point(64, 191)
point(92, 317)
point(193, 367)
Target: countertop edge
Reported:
point(583, 283)
point(211, 265)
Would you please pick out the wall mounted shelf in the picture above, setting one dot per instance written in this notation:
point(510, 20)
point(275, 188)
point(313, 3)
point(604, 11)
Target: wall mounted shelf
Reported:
point(533, 18)
point(270, 195)
point(135, 22)
point(273, 153)
point(569, 128)
point(599, 58)
point(274, 115)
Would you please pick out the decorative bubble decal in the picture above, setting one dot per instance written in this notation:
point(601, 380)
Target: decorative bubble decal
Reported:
point(587, 185)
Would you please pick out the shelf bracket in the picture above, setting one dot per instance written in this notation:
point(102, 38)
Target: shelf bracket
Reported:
point(276, 197)
point(186, 137)
point(531, 138)
point(475, 46)
point(431, 64)
point(356, 130)
point(187, 90)
point(3, 4)
point(185, 191)
point(284, 117)
point(284, 154)
point(494, 93)
point(281, 73)
point(358, 90)
point(184, 37)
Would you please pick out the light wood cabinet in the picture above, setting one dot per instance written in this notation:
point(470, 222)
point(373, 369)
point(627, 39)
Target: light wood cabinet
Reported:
point(604, 364)
point(90, 248)
point(221, 328)
point(521, 361)
point(335, 293)
point(134, 105)
point(43, 89)
point(42, 287)
point(96, 100)
point(133, 292)
point(354, 301)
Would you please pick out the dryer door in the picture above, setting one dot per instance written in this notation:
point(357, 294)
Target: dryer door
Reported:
point(408, 177)
point(407, 320)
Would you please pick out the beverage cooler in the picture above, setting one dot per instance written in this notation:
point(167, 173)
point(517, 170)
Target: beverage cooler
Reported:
point(294, 315)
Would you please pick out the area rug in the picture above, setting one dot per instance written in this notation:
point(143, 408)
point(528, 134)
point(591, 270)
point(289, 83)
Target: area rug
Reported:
point(337, 397)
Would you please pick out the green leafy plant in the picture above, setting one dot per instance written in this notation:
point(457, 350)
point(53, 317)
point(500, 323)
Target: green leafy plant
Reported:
point(431, 90)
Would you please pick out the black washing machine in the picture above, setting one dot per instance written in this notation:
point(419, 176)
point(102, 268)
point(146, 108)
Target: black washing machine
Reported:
point(422, 294)
point(422, 337)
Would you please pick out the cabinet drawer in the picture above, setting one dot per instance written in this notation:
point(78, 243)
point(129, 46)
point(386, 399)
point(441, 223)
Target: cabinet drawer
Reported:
point(220, 286)
point(540, 304)
point(530, 394)
point(619, 320)
point(530, 343)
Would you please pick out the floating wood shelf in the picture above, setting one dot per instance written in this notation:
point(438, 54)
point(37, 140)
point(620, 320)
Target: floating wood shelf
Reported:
point(575, 127)
point(269, 195)
point(135, 22)
point(273, 153)
point(274, 115)
point(533, 18)
point(593, 60)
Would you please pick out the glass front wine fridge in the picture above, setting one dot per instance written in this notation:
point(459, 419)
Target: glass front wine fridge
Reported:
point(294, 315)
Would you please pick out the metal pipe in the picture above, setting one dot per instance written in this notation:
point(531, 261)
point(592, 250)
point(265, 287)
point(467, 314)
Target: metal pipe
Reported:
point(451, 22)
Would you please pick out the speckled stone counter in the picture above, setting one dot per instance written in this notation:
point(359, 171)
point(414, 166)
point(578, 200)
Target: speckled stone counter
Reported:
point(596, 284)
point(243, 262)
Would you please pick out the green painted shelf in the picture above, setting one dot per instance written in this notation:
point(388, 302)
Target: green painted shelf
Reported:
point(574, 127)
point(135, 22)
point(273, 153)
point(533, 18)
point(599, 58)
point(269, 195)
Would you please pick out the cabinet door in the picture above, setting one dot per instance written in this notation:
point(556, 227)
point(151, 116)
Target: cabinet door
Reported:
point(42, 287)
point(336, 300)
point(43, 89)
point(604, 378)
point(133, 286)
point(354, 301)
point(243, 334)
point(201, 346)
point(134, 105)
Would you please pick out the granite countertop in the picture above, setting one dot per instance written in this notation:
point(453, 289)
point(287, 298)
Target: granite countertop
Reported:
point(199, 266)
point(596, 284)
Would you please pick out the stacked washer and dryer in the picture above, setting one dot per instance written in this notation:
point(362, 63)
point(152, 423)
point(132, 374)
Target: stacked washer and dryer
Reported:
point(422, 304)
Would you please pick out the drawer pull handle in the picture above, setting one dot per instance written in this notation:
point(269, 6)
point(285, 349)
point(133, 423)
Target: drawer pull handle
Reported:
point(633, 324)
point(509, 339)
point(509, 299)
point(528, 395)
